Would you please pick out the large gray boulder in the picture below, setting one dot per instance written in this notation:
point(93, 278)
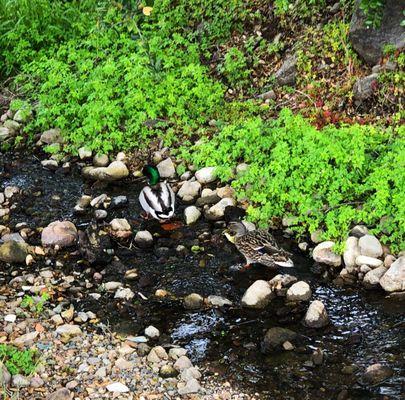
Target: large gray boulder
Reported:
point(369, 42)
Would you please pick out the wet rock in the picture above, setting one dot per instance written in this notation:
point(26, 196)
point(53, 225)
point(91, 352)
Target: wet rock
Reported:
point(117, 387)
point(52, 165)
point(369, 42)
point(59, 233)
point(258, 295)
point(61, 394)
point(217, 211)
point(206, 175)
point(373, 277)
point(280, 283)
point(377, 373)
point(192, 214)
point(84, 153)
point(192, 386)
point(317, 357)
point(299, 291)
point(168, 371)
point(52, 136)
point(99, 200)
point(115, 171)
point(316, 316)
point(365, 87)
point(275, 337)
point(370, 261)
point(124, 293)
point(13, 252)
point(207, 200)
point(324, 254)
point(144, 239)
point(19, 381)
point(118, 201)
point(100, 214)
point(287, 73)
point(166, 168)
point(218, 301)
point(351, 252)
point(95, 245)
point(152, 332)
point(10, 191)
point(120, 224)
point(370, 246)
point(189, 190)
point(182, 363)
point(5, 376)
point(394, 279)
point(112, 286)
point(193, 301)
point(100, 160)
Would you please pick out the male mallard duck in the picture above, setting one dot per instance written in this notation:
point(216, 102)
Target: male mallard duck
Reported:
point(158, 198)
point(258, 246)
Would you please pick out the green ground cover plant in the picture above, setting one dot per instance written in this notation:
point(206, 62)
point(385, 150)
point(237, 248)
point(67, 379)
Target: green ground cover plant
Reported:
point(17, 361)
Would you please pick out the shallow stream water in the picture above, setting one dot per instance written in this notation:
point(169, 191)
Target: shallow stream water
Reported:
point(365, 328)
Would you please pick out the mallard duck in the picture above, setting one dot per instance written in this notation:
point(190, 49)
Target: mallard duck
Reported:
point(258, 246)
point(157, 199)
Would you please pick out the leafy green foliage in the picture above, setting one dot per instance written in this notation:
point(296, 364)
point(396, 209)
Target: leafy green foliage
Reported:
point(235, 68)
point(35, 305)
point(18, 361)
point(328, 179)
point(373, 10)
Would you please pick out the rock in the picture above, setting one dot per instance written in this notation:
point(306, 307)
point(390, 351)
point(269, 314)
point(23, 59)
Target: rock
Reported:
point(100, 214)
point(52, 136)
point(57, 320)
point(189, 190)
point(370, 261)
point(206, 175)
point(123, 364)
point(5, 376)
point(193, 301)
point(182, 363)
point(241, 169)
point(323, 254)
point(316, 316)
point(317, 357)
point(258, 295)
point(218, 301)
point(19, 381)
point(124, 293)
point(10, 191)
point(316, 236)
point(269, 95)
point(364, 269)
point(157, 354)
point(373, 277)
point(166, 168)
point(389, 260)
point(112, 286)
point(120, 224)
point(118, 201)
point(117, 387)
point(192, 386)
point(369, 42)
point(287, 73)
point(99, 200)
point(152, 332)
point(168, 371)
point(10, 318)
point(61, 394)
point(280, 283)
point(299, 291)
point(59, 233)
point(26, 339)
point(68, 330)
point(23, 115)
point(250, 226)
point(176, 352)
point(289, 221)
point(370, 246)
point(226, 191)
point(365, 87)
point(217, 211)
point(377, 373)
point(121, 156)
point(275, 337)
point(52, 165)
point(100, 160)
point(12, 126)
point(84, 153)
point(358, 231)
point(288, 346)
point(144, 239)
point(115, 171)
point(13, 252)
point(207, 200)
point(394, 279)
point(351, 252)
point(190, 373)
point(5, 133)
point(192, 214)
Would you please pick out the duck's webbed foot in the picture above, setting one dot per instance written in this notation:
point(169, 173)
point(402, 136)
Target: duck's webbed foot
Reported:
point(240, 268)
point(144, 215)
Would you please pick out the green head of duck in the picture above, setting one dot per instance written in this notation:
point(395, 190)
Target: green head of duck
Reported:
point(152, 174)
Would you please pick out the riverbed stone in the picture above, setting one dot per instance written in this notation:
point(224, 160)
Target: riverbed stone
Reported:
point(144, 239)
point(84, 153)
point(192, 214)
point(69, 330)
point(100, 160)
point(365, 87)
point(377, 373)
point(166, 168)
point(316, 316)
point(13, 252)
point(324, 254)
point(218, 301)
point(258, 295)
point(217, 211)
point(120, 224)
point(59, 233)
point(370, 246)
point(287, 73)
point(5, 376)
point(189, 190)
point(394, 279)
point(19, 381)
point(280, 283)
point(117, 387)
point(61, 394)
point(152, 332)
point(115, 171)
point(370, 261)
point(124, 293)
point(206, 175)
point(52, 136)
point(276, 336)
point(5, 133)
point(299, 291)
point(168, 371)
point(351, 251)
point(193, 301)
point(372, 278)
point(359, 230)
point(192, 386)
point(182, 363)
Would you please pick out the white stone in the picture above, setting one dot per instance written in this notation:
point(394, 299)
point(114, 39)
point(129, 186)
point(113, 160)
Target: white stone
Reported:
point(192, 386)
point(218, 301)
point(84, 153)
point(394, 279)
point(217, 211)
point(258, 295)
point(299, 291)
point(112, 286)
point(166, 168)
point(152, 332)
point(351, 252)
point(10, 318)
point(370, 261)
point(100, 160)
point(117, 387)
point(189, 190)
point(370, 246)
point(192, 214)
point(144, 239)
point(316, 316)
point(120, 224)
point(373, 277)
point(115, 171)
point(206, 175)
point(70, 330)
point(124, 293)
point(324, 254)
